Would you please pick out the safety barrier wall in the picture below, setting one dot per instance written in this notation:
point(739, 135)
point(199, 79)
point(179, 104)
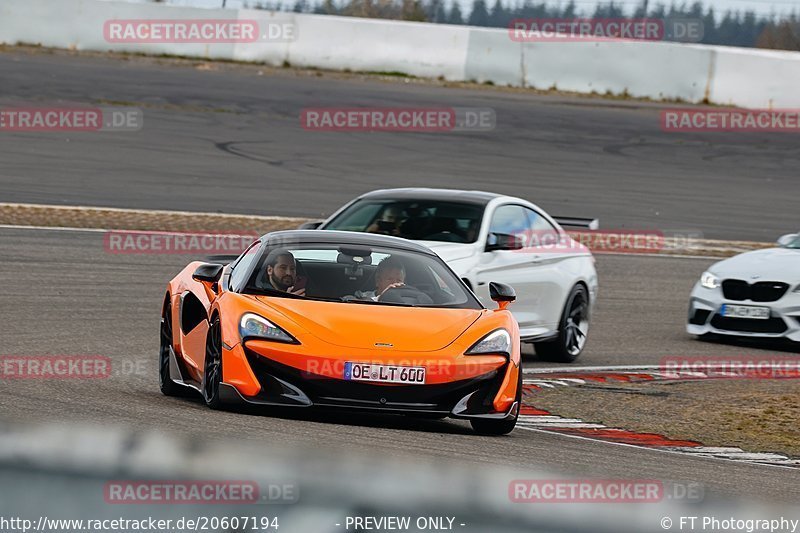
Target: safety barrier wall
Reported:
point(78, 24)
point(657, 70)
point(755, 78)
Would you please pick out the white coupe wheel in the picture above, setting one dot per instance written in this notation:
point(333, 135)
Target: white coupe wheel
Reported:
point(572, 331)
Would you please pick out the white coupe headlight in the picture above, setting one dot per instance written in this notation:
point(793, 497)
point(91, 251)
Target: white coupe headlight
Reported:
point(709, 280)
point(252, 325)
point(498, 341)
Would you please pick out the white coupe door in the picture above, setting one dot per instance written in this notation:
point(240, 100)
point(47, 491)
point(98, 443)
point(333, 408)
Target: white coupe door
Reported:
point(534, 275)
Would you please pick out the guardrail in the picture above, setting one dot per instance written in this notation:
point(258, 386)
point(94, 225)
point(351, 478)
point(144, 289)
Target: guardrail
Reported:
point(657, 70)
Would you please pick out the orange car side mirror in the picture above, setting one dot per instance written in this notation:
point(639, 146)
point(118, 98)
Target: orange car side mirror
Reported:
point(502, 294)
point(208, 274)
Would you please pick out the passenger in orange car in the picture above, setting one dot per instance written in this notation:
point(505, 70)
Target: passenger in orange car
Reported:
point(281, 273)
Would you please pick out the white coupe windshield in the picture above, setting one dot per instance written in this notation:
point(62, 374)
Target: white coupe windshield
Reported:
point(794, 243)
point(423, 220)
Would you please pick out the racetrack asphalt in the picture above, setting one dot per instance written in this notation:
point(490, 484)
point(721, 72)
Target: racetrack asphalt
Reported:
point(229, 140)
point(68, 296)
point(222, 138)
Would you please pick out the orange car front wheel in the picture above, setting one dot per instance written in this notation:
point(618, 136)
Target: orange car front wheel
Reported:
point(212, 367)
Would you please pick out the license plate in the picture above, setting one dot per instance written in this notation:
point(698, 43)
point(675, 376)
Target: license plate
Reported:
point(745, 311)
point(414, 375)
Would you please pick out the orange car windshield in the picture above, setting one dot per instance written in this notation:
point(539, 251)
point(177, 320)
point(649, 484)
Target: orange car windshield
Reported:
point(358, 275)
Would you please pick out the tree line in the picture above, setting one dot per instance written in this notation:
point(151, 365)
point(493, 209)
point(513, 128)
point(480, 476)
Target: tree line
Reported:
point(744, 29)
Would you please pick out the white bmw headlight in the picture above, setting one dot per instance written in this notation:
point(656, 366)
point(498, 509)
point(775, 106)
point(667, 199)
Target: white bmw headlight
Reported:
point(252, 325)
point(709, 280)
point(498, 341)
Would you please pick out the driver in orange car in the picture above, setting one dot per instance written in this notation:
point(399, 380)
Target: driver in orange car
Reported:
point(390, 274)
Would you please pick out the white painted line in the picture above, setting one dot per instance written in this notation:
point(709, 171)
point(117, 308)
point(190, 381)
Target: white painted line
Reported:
point(561, 382)
point(688, 373)
point(540, 384)
point(664, 375)
point(708, 449)
point(550, 382)
point(655, 449)
point(781, 462)
point(752, 456)
point(576, 369)
point(551, 420)
point(568, 425)
point(728, 374)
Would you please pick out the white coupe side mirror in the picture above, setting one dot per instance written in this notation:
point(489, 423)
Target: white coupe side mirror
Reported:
point(786, 239)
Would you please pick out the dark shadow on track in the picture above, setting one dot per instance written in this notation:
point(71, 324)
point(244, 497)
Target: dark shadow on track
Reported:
point(778, 345)
point(342, 417)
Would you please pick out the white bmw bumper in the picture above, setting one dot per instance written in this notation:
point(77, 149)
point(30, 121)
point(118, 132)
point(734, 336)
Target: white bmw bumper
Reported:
point(706, 307)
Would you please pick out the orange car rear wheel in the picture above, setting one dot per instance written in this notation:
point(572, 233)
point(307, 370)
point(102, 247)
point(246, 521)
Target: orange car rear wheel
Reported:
point(167, 386)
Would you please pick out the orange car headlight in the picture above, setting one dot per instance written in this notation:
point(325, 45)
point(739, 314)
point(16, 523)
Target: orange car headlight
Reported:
point(254, 326)
point(498, 341)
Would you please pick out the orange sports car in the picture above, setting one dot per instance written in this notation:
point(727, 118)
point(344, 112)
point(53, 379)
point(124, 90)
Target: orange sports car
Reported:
point(342, 320)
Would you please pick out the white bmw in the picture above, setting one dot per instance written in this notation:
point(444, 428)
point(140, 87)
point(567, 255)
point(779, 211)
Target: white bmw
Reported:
point(754, 294)
point(489, 237)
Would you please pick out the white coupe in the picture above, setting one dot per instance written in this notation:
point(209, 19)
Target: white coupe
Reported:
point(490, 237)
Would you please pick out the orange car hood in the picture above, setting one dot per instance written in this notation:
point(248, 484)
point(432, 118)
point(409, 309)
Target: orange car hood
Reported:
point(354, 325)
